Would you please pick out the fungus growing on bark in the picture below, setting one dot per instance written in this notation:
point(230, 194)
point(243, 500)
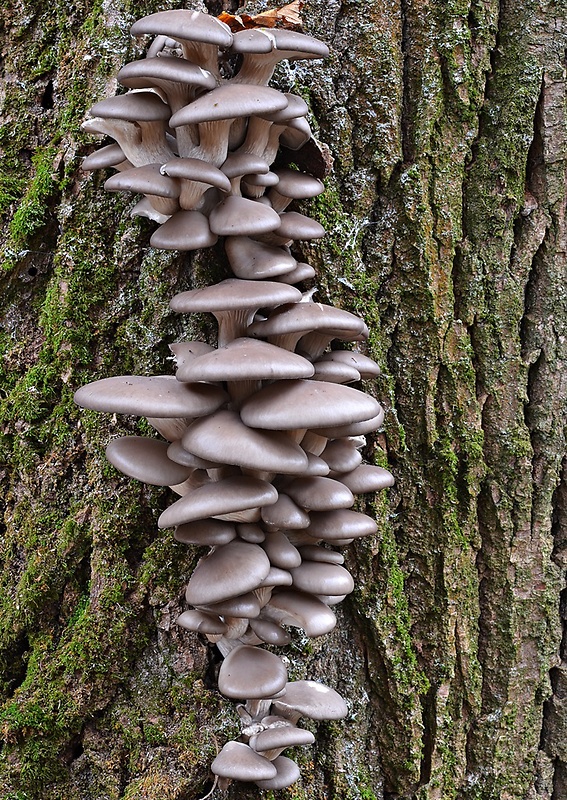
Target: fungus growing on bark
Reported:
point(259, 429)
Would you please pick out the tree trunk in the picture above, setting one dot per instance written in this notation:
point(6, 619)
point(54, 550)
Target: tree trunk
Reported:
point(445, 213)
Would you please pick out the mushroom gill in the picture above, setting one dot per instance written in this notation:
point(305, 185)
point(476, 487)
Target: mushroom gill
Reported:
point(261, 431)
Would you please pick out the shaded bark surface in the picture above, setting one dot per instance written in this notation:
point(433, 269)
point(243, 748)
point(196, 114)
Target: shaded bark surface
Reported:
point(445, 214)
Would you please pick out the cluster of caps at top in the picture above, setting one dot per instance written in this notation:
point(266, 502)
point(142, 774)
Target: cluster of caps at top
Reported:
point(199, 145)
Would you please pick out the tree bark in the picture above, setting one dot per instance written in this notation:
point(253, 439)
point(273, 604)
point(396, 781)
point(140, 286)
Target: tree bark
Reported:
point(445, 213)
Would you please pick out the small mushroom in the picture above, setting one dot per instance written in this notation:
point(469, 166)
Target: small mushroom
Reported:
point(159, 396)
point(287, 405)
point(237, 761)
point(251, 673)
point(106, 157)
point(200, 35)
point(320, 578)
point(184, 230)
point(244, 606)
point(287, 774)
point(209, 532)
point(201, 622)
point(263, 48)
point(137, 120)
point(175, 77)
point(196, 177)
point(234, 303)
point(340, 524)
point(252, 260)
point(286, 325)
point(146, 460)
point(219, 498)
point(215, 111)
point(225, 438)
point(280, 551)
point(278, 738)
point(310, 699)
point(284, 513)
point(319, 494)
point(230, 570)
point(301, 610)
point(341, 455)
point(269, 632)
point(367, 478)
point(161, 191)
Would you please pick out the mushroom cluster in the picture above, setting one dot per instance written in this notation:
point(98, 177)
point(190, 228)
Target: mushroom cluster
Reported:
point(261, 435)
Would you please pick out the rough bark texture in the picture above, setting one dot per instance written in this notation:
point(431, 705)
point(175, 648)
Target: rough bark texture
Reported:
point(446, 220)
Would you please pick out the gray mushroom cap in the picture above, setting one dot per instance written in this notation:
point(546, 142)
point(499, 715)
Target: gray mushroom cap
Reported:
point(269, 632)
point(239, 216)
point(169, 74)
point(250, 673)
point(133, 107)
point(310, 699)
point(225, 438)
point(287, 774)
point(281, 552)
point(295, 226)
point(301, 318)
point(201, 622)
point(321, 578)
point(184, 25)
point(230, 570)
point(245, 359)
point(297, 185)
point(228, 102)
point(319, 493)
point(253, 260)
point(367, 478)
point(146, 460)
point(237, 761)
point(287, 405)
point(296, 107)
point(187, 351)
point(209, 532)
point(184, 230)
point(364, 365)
point(176, 452)
point(258, 61)
point(109, 156)
point(284, 513)
point(259, 180)
point(316, 466)
point(219, 498)
point(244, 606)
point(276, 577)
point(341, 455)
point(280, 737)
point(146, 180)
point(250, 532)
point(340, 524)
point(195, 169)
point(159, 396)
point(239, 164)
point(266, 40)
point(302, 272)
point(233, 294)
point(301, 610)
point(353, 428)
point(315, 552)
point(335, 372)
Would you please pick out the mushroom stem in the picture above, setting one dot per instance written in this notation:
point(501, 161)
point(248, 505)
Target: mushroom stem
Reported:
point(258, 709)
